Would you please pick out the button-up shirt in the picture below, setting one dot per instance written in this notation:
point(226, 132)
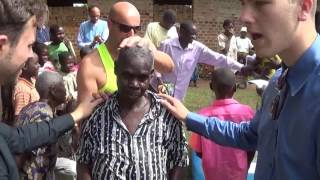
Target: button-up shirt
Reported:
point(157, 146)
point(185, 61)
point(220, 162)
point(88, 31)
point(288, 147)
point(43, 34)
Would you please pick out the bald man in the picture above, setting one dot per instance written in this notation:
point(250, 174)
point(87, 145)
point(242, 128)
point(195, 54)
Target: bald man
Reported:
point(96, 72)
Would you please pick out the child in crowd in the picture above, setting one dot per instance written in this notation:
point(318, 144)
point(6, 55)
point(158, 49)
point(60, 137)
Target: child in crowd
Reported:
point(42, 51)
point(220, 162)
point(25, 91)
point(58, 45)
point(67, 62)
point(40, 163)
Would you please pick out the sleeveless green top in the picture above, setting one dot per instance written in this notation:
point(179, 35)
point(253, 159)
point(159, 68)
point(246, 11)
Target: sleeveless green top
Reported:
point(108, 63)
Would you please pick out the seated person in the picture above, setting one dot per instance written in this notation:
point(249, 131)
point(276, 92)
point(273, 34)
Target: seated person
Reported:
point(40, 163)
point(132, 136)
point(221, 162)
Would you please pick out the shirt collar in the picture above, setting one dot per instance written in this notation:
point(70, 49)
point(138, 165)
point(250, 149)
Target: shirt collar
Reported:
point(151, 115)
point(299, 73)
point(176, 43)
point(222, 102)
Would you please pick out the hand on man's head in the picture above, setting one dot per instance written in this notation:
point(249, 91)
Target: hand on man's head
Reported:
point(139, 41)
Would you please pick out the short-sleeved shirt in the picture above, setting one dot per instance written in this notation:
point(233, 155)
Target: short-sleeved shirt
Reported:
point(156, 33)
point(157, 146)
point(220, 162)
point(24, 94)
point(232, 51)
point(244, 44)
point(41, 162)
point(54, 51)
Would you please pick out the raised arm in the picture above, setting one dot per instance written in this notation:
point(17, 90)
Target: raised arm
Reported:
point(86, 79)
point(162, 61)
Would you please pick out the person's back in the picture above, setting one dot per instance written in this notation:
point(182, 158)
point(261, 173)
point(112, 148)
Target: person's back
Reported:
point(221, 162)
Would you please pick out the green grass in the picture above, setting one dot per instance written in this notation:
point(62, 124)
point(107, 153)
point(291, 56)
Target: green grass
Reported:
point(201, 96)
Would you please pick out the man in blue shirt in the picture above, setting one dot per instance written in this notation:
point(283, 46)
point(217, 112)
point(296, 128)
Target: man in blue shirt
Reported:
point(286, 129)
point(94, 31)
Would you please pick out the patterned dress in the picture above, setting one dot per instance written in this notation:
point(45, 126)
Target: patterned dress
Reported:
point(40, 163)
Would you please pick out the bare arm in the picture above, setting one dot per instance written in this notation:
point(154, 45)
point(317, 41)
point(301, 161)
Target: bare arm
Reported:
point(83, 172)
point(163, 62)
point(86, 80)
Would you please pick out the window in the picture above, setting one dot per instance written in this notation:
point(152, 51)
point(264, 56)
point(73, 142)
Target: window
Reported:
point(68, 3)
point(173, 2)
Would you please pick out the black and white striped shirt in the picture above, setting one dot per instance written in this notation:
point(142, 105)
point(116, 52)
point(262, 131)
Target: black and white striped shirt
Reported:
point(157, 146)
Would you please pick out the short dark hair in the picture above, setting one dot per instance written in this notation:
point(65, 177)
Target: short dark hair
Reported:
point(226, 23)
point(38, 47)
point(54, 29)
point(85, 51)
point(138, 53)
point(186, 25)
point(14, 14)
point(169, 16)
point(63, 56)
point(224, 80)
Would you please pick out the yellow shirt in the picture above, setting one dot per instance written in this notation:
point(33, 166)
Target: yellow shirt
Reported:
point(156, 33)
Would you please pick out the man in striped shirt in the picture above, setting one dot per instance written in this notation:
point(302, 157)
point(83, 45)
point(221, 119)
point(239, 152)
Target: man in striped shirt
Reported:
point(132, 136)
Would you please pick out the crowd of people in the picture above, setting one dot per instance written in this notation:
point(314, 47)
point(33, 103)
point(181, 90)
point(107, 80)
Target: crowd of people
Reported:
point(116, 112)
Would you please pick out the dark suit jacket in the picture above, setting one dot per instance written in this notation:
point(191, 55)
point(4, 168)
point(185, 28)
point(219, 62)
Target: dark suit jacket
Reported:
point(26, 138)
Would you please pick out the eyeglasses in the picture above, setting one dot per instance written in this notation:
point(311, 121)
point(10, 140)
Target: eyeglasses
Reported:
point(277, 103)
point(125, 28)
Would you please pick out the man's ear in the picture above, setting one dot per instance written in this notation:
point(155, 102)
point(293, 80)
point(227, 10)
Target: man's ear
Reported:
point(3, 41)
point(305, 9)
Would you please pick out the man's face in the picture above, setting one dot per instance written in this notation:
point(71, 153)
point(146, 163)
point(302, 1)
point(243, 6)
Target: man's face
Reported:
point(189, 34)
point(133, 79)
point(94, 15)
point(13, 58)
point(121, 28)
point(229, 29)
point(32, 66)
point(272, 24)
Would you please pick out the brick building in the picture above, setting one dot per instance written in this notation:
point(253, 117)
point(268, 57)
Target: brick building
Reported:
point(208, 15)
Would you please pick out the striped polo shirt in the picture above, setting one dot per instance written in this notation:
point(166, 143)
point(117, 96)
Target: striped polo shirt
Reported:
point(157, 146)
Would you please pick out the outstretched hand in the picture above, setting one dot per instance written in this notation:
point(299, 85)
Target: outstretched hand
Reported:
point(85, 108)
point(174, 106)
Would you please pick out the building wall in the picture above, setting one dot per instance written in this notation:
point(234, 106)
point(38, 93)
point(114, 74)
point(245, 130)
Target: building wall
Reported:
point(208, 15)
